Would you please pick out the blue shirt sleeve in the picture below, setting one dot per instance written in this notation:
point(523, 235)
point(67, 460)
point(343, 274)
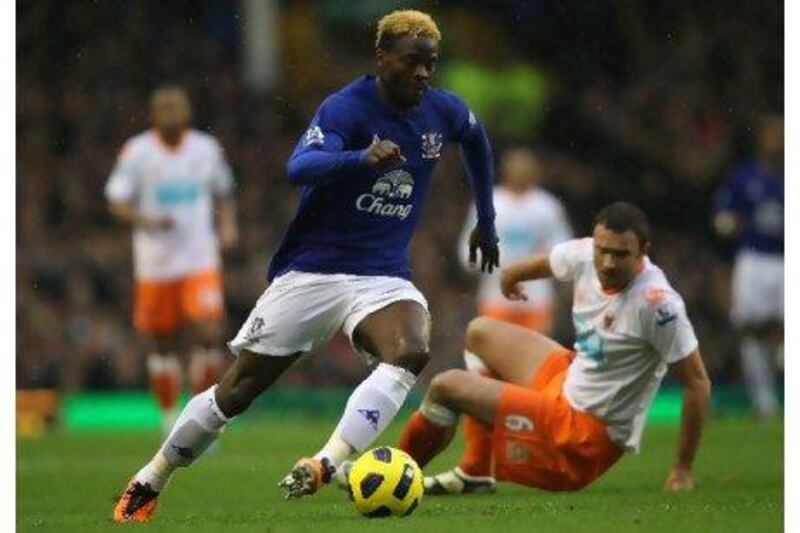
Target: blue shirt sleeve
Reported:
point(476, 156)
point(321, 154)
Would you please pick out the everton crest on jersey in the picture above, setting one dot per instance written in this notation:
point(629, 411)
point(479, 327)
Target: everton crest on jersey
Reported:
point(431, 145)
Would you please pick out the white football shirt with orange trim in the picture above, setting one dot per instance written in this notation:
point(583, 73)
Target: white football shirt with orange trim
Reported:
point(624, 341)
point(180, 183)
point(528, 223)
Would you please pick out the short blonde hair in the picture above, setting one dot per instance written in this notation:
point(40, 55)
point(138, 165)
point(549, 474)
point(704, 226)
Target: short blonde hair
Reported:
point(406, 22)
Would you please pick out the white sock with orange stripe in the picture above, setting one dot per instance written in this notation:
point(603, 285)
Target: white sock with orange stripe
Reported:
point(205, 367)
point(165, 383)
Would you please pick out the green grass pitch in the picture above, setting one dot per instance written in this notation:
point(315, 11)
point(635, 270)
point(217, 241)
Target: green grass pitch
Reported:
point(65, 482)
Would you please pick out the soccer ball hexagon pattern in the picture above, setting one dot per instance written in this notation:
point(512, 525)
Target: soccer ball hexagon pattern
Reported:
point(385, 482)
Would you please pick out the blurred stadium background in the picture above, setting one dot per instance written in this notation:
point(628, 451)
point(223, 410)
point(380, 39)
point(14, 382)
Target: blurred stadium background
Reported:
point(649, 101)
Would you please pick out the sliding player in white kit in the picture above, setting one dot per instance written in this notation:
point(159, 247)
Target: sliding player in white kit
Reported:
point(166, 184)
point(558, 419)
point(529, 221)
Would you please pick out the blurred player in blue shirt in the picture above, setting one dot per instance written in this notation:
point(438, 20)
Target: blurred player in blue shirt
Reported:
point(749, 208)
point(365, 164)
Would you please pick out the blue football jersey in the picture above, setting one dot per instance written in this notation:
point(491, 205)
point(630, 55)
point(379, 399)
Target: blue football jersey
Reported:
point(755, 195)
point(358, 219)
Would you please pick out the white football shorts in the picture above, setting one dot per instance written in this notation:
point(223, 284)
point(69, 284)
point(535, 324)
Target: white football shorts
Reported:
point(300, 311)
point(757, 288)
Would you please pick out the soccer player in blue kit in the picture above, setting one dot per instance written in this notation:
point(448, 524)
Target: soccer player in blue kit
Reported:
point(749, 209)
point(365, 164)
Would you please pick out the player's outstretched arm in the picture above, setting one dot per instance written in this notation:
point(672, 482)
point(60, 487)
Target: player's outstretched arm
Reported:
point(314, 166)
point(691, 373)
point(535, 267)
point(476, 155)
point(329, 160)
point(325, 151)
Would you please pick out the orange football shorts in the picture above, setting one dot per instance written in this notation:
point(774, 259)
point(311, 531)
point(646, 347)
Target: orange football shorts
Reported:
point(161, 306)
point(541, 441)
point(537, 319)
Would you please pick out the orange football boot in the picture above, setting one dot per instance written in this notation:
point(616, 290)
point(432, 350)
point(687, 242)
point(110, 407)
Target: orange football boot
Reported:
point(307, 477)
point(137, 503)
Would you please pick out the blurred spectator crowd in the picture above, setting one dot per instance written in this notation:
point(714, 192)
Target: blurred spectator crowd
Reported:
point(647, 101)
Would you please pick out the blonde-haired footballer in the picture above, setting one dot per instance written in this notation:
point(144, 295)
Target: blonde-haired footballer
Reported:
point(557, 419)
point(365, 163)
point(168, 183)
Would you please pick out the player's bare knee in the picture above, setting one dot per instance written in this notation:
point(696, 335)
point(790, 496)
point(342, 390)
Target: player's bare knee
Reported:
point(413, 361)
point(409, 352)
point(447, 386)
point(476, 335)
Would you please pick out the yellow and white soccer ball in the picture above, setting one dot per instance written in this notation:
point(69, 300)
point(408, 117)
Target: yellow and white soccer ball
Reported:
point(385, 482)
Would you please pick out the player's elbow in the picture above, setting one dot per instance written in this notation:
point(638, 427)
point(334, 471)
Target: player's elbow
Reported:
point(700, 386)
point(303, 169)
point(296, 170)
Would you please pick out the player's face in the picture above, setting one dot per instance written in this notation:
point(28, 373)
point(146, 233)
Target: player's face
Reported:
point(170, 111)
point(617, 257)
point(405, 69)
point(520, 169)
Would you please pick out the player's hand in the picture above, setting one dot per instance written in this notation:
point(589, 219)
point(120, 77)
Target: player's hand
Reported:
point(158, 223)
point(679, 479)
point(510, 287)
point(490, 253)
point(383, 153)
point(727, 225)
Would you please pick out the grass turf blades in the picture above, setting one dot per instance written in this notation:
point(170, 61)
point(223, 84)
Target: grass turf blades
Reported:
point(66, 481)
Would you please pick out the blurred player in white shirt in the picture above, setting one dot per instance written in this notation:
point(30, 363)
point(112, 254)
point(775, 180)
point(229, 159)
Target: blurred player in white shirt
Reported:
point(168, 183)
point(557, 419)
point(529, 221)
point(749, 209)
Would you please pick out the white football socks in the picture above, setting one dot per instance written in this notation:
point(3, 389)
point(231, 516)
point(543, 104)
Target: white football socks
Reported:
point(336, 450)
point(198, 425)
point(369, 410)
point(759, 376)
